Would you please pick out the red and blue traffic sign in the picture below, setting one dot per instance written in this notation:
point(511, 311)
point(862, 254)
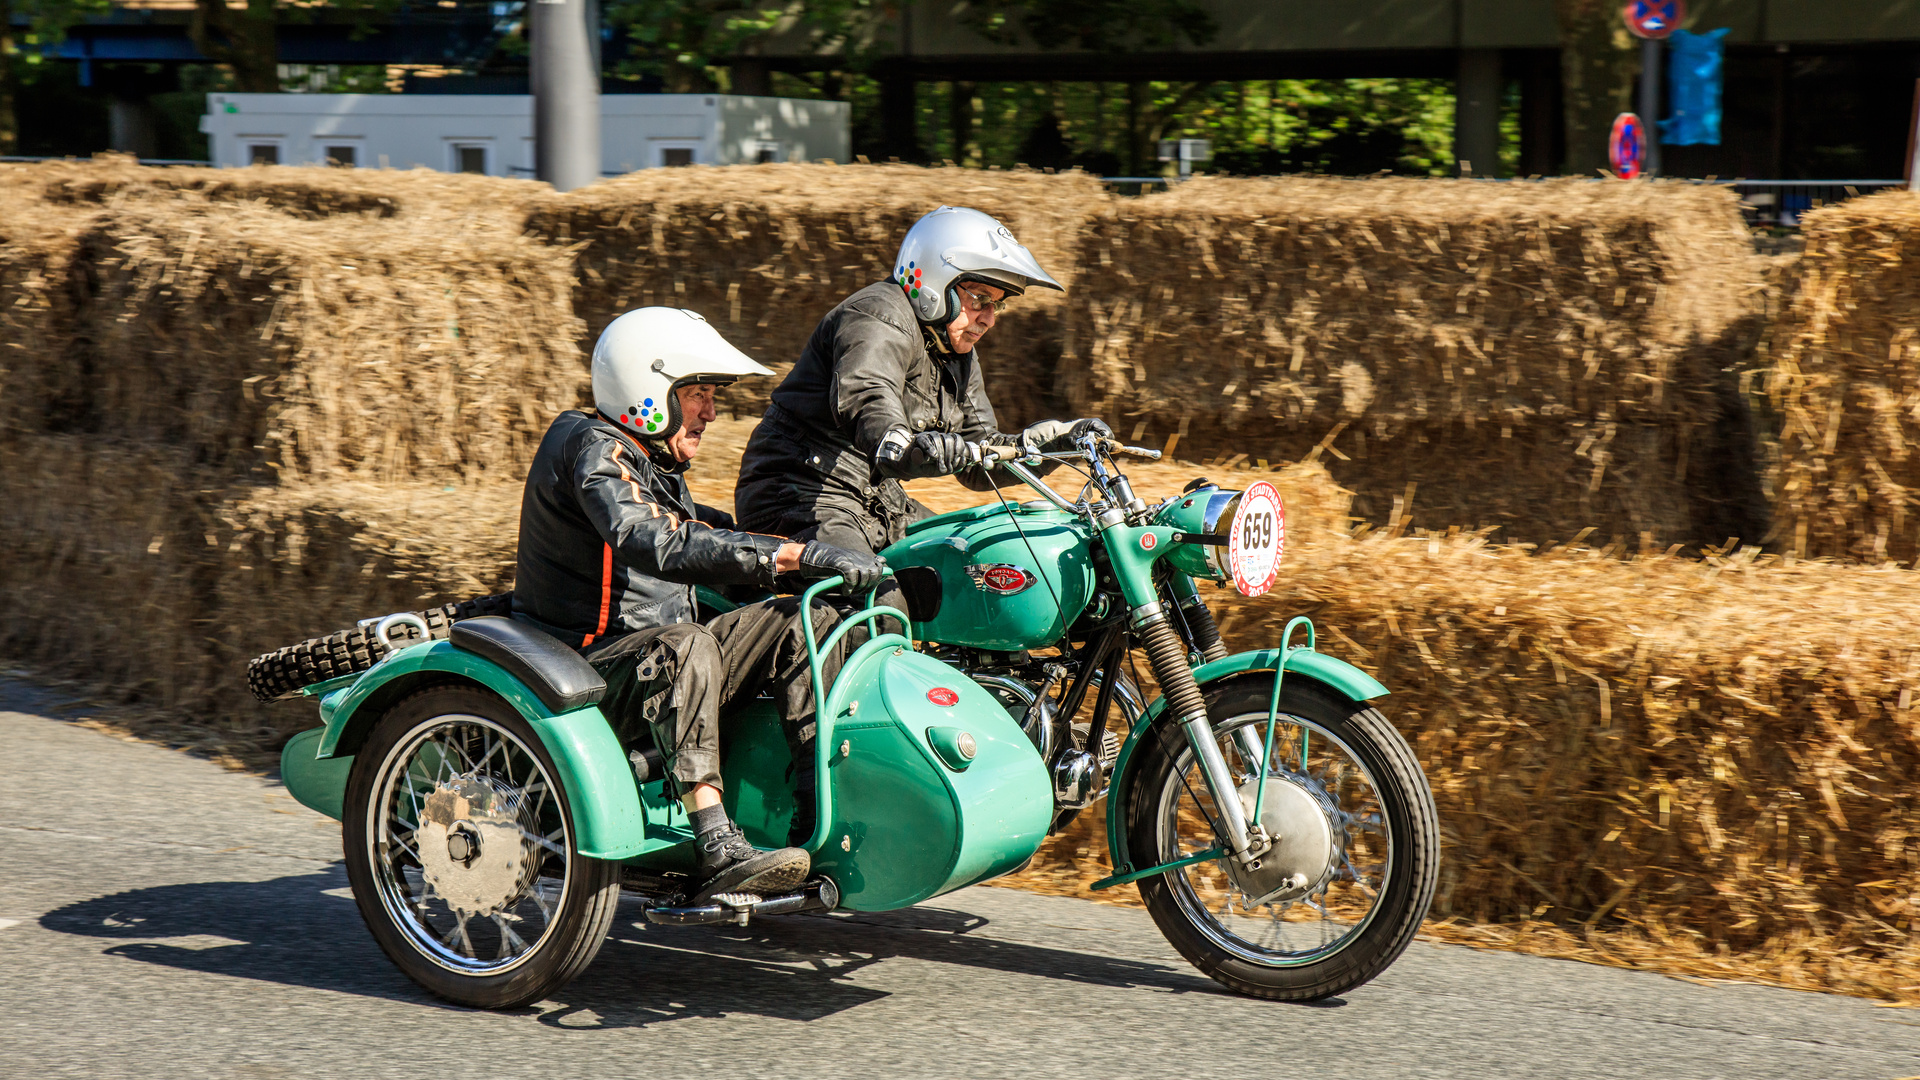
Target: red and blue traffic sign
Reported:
point(1654, 18)
point(1627, 147)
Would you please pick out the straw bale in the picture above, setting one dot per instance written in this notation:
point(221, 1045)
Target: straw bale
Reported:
point(273, 347)
point(1539, 357)
point(1711, 756)
point(763, 251)
point(311, 192)
point(37, 245)
point(1846, 386)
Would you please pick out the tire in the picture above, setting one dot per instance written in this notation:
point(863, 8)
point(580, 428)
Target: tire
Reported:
point(283, 672)
point(1381, 830)
point(416, 805)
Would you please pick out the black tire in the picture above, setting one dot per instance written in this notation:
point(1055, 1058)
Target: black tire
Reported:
point(1179, 900)
point(283, 672)
point(568, 897)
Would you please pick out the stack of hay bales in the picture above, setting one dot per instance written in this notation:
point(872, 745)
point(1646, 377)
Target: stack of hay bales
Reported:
point(195, 442)
point(764, 251)
point(1714, 756)
point(1846, 386)
point(1545, 358)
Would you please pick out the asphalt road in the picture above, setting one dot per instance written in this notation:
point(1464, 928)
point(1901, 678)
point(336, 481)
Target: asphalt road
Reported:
point(160, 917)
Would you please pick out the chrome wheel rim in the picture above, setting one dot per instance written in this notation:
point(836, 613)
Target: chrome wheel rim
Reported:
point(469, 845)
point(1329, 917)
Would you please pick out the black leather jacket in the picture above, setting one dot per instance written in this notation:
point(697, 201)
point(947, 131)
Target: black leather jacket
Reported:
point(868, 368)
point(611, 540)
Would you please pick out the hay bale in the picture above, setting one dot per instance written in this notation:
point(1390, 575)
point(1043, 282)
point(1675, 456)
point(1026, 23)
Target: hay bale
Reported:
point(1710, 760)
point(309, 192)
point(301, 350)
point(1846, 386)
point(763, 251)
point(1540, 357)
point(37, 246)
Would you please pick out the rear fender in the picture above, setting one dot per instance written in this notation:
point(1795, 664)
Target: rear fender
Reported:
point(593, 768)
point(1330, 671)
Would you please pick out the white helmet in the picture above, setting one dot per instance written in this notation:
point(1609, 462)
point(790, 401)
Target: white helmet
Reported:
point(954, 244)
point(642, 355)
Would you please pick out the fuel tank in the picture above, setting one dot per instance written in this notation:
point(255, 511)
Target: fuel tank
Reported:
point(990, 578)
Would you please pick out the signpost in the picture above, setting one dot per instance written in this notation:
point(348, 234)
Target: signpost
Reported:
point(1627, 146)
point(1651, 21)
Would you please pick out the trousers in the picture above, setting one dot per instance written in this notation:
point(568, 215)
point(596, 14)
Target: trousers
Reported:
point(671, 685)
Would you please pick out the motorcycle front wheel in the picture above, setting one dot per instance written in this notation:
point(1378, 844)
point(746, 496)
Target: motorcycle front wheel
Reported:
point(462, 853)
point(1356, 842)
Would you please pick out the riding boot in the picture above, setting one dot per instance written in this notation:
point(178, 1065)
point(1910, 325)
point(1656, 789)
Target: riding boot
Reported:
point(728, 864)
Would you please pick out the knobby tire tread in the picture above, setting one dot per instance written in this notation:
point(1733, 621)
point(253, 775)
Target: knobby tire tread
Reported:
point(285, 671)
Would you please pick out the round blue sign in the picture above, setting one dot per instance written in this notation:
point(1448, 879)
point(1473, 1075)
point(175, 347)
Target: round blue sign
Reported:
point(1654, 18)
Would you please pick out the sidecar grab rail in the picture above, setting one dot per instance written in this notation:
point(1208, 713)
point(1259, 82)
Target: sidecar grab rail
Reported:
point(823, 709)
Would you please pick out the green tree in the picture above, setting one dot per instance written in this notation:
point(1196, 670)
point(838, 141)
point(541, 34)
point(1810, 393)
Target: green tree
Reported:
point(47, 24)
point(1598, 64)
point(688, 43)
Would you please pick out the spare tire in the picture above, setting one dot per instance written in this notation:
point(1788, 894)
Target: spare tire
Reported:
point(284, 672)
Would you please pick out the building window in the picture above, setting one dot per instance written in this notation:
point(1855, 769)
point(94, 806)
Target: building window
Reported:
point(344, 157)
point(470, 159)
point(768, 153)
point(675, 156)
point(263, 153)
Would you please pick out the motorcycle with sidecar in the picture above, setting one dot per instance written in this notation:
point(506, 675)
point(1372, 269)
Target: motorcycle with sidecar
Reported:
point(1280, 831)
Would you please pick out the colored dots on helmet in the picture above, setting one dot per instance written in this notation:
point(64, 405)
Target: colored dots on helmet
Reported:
point(648, 403)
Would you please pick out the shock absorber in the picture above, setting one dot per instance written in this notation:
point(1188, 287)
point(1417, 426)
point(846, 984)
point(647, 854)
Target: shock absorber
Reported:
point(1206, 633)
point(1188, 707)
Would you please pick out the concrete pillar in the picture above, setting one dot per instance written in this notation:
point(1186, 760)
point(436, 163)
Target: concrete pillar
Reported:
point(1476, 111)
point(131, 127)
point(566, 92)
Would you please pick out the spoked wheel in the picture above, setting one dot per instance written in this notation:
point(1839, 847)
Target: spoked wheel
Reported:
point(1356, 847)
point(461, 851)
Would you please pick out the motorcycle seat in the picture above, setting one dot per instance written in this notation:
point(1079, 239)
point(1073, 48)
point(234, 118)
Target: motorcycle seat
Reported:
point(557, 675)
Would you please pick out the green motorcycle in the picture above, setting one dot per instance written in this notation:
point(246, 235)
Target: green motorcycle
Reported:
point(1280, 830)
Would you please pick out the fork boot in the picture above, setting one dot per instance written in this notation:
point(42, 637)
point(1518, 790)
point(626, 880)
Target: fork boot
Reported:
point(728, 864)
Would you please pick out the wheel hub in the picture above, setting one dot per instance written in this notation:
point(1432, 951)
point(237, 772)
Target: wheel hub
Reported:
point(1305, 852)
point(474, 849)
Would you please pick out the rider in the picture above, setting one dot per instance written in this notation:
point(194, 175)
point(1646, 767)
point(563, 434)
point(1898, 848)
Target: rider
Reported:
point(889, 388)
point(611, 547)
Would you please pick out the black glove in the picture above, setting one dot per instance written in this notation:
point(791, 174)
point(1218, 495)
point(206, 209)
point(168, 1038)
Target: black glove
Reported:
point(1047, 436)
point(862, 571)
point(938, 453)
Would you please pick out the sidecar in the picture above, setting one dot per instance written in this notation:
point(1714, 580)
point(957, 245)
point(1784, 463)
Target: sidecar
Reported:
point(490, 816)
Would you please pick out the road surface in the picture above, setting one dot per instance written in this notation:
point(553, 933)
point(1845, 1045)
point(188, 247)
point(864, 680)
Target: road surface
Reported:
point(161, 917)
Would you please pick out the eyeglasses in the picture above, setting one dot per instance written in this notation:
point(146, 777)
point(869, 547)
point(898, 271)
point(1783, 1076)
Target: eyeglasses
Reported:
point(980, 302)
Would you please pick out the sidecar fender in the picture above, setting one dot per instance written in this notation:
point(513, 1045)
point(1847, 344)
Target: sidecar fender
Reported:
point(1336, 674)
point(593, 768)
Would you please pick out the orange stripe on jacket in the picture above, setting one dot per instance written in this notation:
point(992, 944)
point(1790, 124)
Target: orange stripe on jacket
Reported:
point(673, 519)
point(606, 593)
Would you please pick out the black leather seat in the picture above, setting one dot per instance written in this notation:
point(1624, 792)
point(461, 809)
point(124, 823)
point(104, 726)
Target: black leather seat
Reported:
point(557, 675)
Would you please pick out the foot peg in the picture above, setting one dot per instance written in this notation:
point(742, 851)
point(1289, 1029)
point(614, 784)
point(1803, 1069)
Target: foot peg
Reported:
point(820, 894)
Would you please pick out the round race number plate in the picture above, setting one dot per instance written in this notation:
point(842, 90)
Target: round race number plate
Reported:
point(1258, 536)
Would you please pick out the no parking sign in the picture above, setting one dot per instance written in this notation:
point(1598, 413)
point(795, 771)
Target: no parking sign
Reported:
point(1627, 148)
point(1654, 18)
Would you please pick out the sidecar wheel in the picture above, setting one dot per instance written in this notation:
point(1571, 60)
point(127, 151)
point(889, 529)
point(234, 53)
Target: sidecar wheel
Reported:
point(461, 850)
point(1356, 852)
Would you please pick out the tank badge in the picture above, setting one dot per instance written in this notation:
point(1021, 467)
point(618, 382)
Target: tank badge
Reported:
point(1147, 540)
point(1001, 579)
point(943, 697)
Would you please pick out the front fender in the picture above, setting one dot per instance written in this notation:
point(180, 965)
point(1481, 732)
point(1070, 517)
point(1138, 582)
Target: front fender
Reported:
point(1331, 671)
point(592, 767)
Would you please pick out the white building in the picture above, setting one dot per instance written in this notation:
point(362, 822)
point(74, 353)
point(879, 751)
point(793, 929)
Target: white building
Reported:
point(493, 133)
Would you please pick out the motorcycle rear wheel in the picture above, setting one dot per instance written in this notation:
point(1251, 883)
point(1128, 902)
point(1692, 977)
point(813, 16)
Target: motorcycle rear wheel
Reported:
point(1330, 753)
point(463, 856)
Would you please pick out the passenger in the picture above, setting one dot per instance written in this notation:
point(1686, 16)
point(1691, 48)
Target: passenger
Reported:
point(612, 546)
point(889, 388)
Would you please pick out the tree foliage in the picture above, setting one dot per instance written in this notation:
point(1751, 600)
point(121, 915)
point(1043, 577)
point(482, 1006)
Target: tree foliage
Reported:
point(1094, 25)
point(47, 24)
